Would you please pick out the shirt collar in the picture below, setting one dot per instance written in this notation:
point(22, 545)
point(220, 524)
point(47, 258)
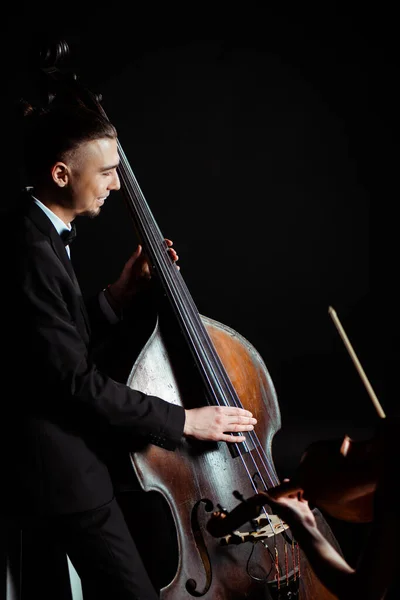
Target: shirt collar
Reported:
point(57, 222)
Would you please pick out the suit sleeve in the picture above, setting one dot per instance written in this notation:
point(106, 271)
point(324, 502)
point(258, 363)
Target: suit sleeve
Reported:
point(61, 365)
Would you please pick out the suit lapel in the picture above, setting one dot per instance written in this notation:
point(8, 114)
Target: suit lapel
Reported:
point(43, 223)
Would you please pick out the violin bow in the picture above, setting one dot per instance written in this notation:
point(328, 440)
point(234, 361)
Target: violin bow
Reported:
point(356, 362)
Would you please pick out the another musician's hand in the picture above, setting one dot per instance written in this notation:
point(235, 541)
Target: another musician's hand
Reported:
point(218, 423)
point(288, 502)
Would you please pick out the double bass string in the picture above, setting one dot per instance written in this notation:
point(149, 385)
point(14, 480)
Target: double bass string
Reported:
point(206, 355)
point(174, 280)
point(158, 253)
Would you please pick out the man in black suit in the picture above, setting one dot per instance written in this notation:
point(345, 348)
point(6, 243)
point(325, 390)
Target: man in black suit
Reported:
point(59, 409)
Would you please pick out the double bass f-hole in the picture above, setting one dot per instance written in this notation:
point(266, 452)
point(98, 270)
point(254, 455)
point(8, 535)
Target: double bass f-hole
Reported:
point(191, 360)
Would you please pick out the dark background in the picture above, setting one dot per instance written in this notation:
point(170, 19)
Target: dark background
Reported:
point(263, 140)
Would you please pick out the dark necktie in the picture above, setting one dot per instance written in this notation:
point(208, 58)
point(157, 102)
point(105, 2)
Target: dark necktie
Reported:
point(68, 236)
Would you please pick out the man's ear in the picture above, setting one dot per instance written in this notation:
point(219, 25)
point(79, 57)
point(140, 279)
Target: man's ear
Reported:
point(60, 174)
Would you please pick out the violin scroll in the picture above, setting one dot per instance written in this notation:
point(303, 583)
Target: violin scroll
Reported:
point(52, 54)
point(223, 522)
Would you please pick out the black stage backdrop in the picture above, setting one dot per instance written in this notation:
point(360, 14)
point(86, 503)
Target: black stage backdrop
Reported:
point(263, 141)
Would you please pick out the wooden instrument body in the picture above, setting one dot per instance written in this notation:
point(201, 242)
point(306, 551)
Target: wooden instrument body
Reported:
point(197, 477)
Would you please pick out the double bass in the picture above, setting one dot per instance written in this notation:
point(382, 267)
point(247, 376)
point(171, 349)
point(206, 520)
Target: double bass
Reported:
point(192, 360)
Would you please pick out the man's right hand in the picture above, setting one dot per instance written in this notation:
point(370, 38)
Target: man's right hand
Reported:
point(218, 423)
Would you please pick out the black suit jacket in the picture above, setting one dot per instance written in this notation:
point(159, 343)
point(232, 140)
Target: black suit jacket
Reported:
point(60, 411)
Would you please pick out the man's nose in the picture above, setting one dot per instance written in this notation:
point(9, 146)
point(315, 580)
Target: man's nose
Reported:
point(115, 183)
